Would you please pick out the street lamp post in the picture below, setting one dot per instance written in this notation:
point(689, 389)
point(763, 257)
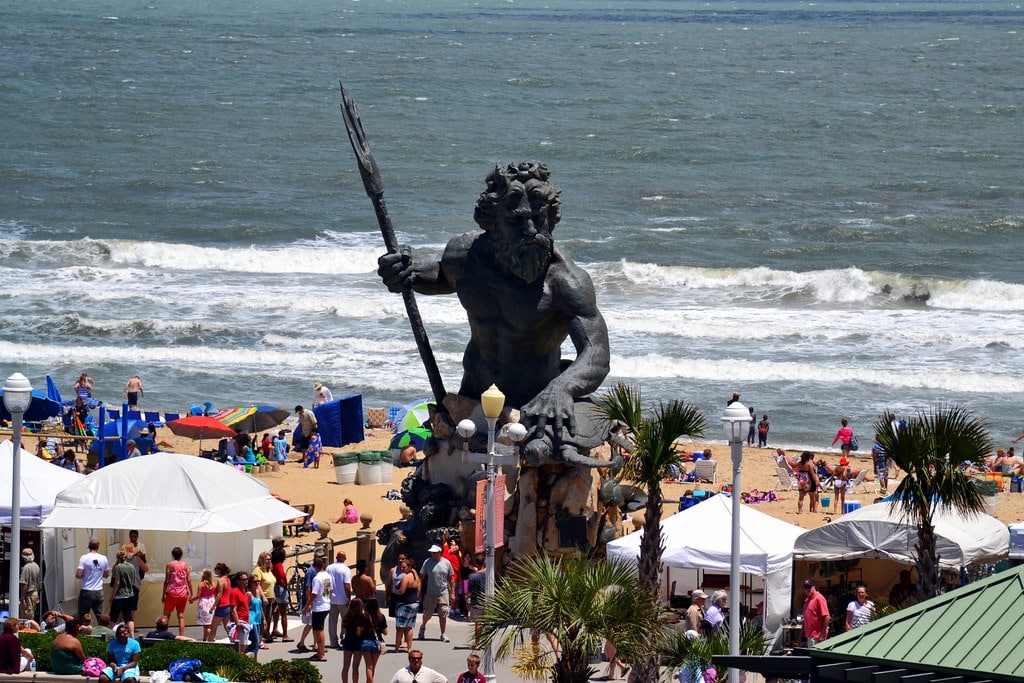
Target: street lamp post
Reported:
point(17, 398)
point(492, 402)
point(735, 421)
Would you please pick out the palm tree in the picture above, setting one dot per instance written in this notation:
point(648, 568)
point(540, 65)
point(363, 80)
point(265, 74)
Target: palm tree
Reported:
point(580, 603)
point(654, 454)
point(693, 655)
point(932, 449)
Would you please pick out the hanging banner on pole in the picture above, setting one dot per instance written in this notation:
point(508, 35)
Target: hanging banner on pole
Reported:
point(499, 511)
point(481, 513)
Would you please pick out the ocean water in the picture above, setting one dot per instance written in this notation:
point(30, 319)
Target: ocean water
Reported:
point(818, 204)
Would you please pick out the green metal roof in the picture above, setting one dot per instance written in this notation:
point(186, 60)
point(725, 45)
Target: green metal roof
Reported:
point(976, 629)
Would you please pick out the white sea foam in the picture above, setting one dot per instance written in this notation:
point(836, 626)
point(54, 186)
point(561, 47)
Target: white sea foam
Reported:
point(739, 370)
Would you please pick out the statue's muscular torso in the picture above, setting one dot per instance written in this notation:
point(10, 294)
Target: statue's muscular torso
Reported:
point(517, 327)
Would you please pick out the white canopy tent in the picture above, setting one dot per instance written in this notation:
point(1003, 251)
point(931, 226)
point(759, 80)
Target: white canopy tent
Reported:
point(877, 532)
point(169, 492)
point(212, 511)
point(40, 483)
point(701, 538)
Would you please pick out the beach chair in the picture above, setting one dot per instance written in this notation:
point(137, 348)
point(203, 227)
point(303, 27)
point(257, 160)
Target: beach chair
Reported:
point(376, 418)
point(704, 470)
point(113, 414)
point(785, 481)
point(858, 481)
point(154, 418)
point(171, 417)
point(296, 526)
point(134, 415)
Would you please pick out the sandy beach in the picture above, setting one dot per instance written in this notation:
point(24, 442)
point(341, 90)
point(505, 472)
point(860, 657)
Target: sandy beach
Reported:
point(319, 486)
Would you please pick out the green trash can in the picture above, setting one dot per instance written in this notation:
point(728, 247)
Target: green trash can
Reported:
point(369, 468)
point(346, 466)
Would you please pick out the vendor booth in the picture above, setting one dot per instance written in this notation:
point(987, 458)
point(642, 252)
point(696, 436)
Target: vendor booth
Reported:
point(872, 544)
point(700, 539)
point(40, 484)
point(212, 511)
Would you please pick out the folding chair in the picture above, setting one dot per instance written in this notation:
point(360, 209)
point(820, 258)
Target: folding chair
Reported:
point(171, 417)
point(154, 417)
point(858, 481)
point(704, 470)
point(785, 481)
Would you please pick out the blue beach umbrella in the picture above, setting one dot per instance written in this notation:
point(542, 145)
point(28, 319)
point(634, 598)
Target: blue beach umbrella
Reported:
point(52, 392)
point(39, 409)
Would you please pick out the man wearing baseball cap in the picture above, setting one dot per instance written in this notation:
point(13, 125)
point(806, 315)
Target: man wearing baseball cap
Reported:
point(816, 615)
point(437, 583)
point(694, 619)
point(30, 580)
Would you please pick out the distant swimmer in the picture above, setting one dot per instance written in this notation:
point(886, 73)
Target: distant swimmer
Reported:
point(132, 391)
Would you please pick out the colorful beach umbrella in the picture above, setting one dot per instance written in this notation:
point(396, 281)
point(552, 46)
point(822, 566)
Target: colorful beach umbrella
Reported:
point(412, 415)
point(255, 418)
point(417, 436)
point(200, 427)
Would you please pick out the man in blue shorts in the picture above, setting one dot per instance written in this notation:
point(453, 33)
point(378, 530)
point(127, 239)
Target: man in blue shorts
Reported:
point(122, 657)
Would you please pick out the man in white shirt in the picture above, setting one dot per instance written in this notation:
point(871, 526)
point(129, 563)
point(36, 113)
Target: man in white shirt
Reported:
point(321, 394)
point(341, 582)
point(416, 672)
point(318, 606)
point(93, 569)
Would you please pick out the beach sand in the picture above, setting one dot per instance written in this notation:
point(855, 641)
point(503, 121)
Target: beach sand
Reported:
point(319, 487)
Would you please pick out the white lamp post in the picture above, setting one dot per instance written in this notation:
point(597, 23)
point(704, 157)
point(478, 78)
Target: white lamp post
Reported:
point(735, 421)
point(492, 401)
point(17, 398)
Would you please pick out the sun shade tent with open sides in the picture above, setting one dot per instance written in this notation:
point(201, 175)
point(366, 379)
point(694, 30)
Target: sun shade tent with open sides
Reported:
point(40, 483)
point(877, 532)
point(701, 538)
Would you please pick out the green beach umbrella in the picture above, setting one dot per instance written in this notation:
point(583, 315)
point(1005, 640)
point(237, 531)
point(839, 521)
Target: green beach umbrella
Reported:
point(416, 436)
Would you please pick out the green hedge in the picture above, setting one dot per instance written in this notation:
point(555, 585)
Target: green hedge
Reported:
point(221, 660)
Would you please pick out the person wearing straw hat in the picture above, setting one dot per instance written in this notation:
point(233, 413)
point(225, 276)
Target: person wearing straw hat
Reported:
point(31, 580)
point(321, 394)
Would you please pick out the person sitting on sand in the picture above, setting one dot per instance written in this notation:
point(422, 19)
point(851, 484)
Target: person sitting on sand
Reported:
point(407, 456)
point(350, 515)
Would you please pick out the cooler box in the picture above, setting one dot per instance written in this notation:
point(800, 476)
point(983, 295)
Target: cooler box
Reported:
point(850, 507)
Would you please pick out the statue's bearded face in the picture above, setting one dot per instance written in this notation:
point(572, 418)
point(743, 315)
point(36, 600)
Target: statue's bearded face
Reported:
point(523, 241)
